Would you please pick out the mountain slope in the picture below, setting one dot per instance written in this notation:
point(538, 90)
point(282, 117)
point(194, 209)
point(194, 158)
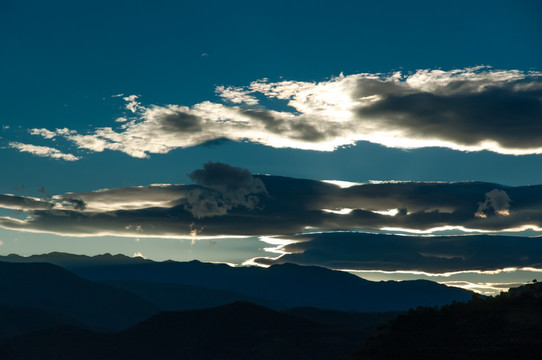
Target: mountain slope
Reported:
point(365, 322)
point(179, 297)
point(508, 326)
point(16, 321)
point(235, 331)
point(52, 288)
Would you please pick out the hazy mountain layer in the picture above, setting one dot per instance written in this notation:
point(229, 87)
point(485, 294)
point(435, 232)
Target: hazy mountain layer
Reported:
point(288, 284)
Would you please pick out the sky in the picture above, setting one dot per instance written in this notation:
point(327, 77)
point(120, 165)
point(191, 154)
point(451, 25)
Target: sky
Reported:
point(395, 140)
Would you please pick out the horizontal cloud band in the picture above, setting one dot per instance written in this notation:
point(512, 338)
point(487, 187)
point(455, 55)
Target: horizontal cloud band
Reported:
point(230, 201)
point(431, 254)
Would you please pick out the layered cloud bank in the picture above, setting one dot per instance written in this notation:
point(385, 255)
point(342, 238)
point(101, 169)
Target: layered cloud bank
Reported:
point(467, 109)
point(430, 254)
point(229, 201)
point(310, 222)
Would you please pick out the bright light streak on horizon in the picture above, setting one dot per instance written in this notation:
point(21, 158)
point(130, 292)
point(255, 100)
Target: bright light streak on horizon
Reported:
point(390, 212)
point(343, 211)
point(342, 184)
point(485, 282)
point(280, 244)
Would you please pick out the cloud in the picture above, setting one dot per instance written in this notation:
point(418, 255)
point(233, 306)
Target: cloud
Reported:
point(236, 95)
point(496, 199)
point(24, 203)
point(229, 201)
point(469, 109)
point(155, 210)
point(43, 132)
point(130, 198)
point(434, 254)
point(131, 103)
point(43, 151)
point(225, 187)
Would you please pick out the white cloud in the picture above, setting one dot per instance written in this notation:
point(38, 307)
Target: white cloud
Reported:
point(469, 109)
point(236, 95)
point(48, 134)
point(43, 151)
point(131, 103)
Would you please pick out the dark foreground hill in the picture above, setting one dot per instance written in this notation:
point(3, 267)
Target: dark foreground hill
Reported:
point(16, 321)
point(287, 284)
point(63, 296)
point(179, 297)
point(235, 331)
point(508, 326)
point(365, 322)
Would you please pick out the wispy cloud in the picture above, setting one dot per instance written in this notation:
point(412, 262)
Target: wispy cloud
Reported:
point(43, 151)
point(468, 109)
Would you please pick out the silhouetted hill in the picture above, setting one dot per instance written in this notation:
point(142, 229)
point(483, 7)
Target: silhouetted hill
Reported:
point(365, 322)
point(51, 288)
point(179, 297)
point(235, 331)
point(16, 321)
point(508, 326)
point(289, 284)
point(63, 342)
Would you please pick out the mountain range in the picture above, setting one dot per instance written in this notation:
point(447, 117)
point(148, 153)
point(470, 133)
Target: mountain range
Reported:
point(63, 306)
point(279, 286)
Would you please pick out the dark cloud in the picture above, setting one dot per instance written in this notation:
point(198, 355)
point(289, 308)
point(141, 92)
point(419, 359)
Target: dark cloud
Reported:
point(227, 200)
point(76, 204)
point(223, 188)
point(24, 203)
point(434, 254)
point(298, 129)
point(179, 121)
point(496, 200)
point(462, 114)
point(226, 178)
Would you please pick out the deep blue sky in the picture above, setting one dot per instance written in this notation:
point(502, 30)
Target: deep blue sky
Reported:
point(62, 63)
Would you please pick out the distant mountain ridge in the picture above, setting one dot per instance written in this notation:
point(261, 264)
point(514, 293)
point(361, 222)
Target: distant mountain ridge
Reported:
point(66, 260)
point(288, 284)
